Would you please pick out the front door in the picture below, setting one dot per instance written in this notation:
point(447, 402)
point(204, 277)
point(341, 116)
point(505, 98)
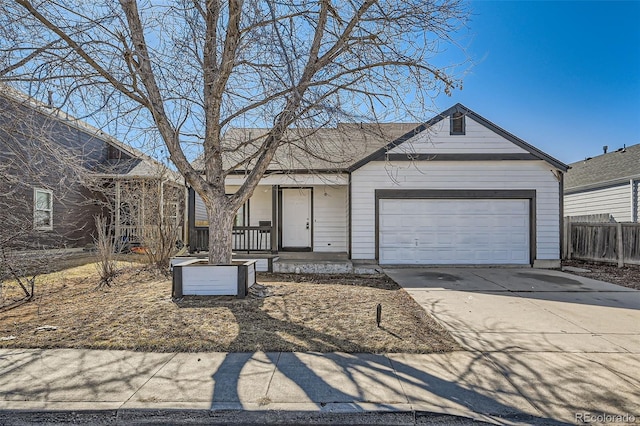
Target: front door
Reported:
point(296, 218)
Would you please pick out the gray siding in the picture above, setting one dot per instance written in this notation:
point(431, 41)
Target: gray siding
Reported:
point(44, 152)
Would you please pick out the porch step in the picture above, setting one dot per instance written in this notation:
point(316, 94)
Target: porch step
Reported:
point(313, 266)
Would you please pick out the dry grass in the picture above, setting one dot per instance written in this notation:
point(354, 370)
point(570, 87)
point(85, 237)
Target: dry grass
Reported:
point(317, 313)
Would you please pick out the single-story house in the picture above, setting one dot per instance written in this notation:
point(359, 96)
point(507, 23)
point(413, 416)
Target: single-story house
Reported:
point(457, 189)
point(57, 173)
point(604, 188)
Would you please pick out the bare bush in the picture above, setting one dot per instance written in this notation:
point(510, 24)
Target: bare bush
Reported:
point(162, 243)
point(107, 264)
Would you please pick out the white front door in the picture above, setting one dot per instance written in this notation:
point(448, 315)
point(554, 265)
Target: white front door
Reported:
point(296, 218)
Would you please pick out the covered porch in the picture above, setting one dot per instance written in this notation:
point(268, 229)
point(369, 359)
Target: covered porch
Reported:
point(142, 207)
point(297, 214)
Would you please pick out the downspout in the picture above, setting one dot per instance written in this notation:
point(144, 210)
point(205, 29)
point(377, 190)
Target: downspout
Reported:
point(561, 208)
point(634, 204)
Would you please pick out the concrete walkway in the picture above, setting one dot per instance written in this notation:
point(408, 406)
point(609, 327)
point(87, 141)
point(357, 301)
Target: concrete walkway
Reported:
point(567, 345)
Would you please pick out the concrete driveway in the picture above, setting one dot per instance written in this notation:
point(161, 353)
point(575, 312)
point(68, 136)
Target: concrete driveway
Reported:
point(568, 344)
point(494, 309)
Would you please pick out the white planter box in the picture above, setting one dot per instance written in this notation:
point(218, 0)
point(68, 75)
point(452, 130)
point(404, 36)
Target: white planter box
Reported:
point(196, 277)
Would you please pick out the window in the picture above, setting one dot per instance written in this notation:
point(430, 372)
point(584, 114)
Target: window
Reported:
point(457, 123)
point(42, 209)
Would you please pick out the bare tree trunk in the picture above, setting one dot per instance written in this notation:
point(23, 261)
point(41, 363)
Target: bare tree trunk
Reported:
point(220, 234)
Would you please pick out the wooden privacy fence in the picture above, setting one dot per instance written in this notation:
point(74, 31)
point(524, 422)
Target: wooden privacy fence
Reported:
point(602, 242)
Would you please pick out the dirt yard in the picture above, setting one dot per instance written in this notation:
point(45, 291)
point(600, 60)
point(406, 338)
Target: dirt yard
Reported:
point(628, 276)
point(283, 313)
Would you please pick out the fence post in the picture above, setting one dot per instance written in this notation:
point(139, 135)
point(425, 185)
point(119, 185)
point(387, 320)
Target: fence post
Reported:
point(620, 245)
point(568, 238)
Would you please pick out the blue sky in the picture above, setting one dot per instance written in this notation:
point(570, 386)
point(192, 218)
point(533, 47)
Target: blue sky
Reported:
point(562, 75)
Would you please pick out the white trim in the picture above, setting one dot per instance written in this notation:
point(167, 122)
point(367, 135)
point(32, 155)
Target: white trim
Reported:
point(293, 179)
point(36, 210)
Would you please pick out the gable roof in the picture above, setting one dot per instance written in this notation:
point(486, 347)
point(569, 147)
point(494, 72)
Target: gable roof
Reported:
point(344, 148)
point(334, 149)
point(604, 170)
point(134, 163)
point(379, 154)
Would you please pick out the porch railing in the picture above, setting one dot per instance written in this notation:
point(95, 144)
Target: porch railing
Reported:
point(131, 236)
point(245, 238)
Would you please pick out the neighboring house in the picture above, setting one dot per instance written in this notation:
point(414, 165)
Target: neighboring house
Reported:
point(57, 173)
point(604, 188)
point(455, 190)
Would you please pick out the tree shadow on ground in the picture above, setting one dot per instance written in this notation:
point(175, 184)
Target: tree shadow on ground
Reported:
point(327, 378)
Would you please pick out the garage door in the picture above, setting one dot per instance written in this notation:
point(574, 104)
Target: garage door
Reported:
point(453, 231)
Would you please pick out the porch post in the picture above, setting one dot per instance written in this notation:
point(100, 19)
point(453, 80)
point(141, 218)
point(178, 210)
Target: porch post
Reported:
point(274, 219)
point(117, 229)
point(191, 212)
point(184, 209)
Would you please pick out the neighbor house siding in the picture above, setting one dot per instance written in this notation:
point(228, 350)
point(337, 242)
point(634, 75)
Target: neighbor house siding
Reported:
point(615, 201)
point(635, 202)
point(496, 175)
point(329, 221)
point(42, 151)
point(477, 140)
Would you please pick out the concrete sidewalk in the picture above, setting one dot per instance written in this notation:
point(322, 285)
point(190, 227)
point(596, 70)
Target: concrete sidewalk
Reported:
point(402, 386)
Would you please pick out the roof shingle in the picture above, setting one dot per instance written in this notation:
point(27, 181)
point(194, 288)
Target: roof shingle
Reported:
point(604, 169)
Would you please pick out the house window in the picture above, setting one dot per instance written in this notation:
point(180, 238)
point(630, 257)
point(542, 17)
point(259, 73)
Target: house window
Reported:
point(457, 123)
point(42, 209)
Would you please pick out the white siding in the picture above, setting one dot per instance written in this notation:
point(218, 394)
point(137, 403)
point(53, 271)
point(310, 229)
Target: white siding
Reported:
point(477, 140)
point(635, 203)
point(205, 280)
point(505, 175)
point(615, 201)
point(260, 205)
point(329, 220)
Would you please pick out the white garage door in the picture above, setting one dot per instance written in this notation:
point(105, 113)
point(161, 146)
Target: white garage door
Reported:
point(419, 231)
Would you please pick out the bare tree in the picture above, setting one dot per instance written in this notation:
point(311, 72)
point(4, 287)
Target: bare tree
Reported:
point(189, 70)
